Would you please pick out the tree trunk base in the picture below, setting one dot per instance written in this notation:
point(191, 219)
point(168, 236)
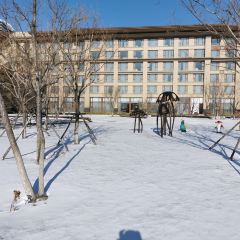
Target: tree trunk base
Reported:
point(43, 197)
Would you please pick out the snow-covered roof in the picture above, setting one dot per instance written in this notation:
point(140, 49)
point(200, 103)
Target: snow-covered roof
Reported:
point(5, 27)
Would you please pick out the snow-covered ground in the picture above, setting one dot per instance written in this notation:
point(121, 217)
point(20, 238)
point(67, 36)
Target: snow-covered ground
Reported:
point(172, 188)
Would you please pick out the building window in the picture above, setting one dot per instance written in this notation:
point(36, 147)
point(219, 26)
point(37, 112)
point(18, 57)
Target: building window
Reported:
point(214, 90)
point(95, 55)
point(183, 53)
point(168, 42)
point(123, 54)
point(81, 67)
point(198, 77)
point(67, 45)
point(152, 54)
point(229, 90)
point(228, 105)
point(199, 53)
point(109, 54)
point(182, 77)
point(152, 89)
point(137, 78)
point(82, 55)
point(152, 66)
point(230, 66)
point(67, 67)
point(199, 41)
point(167, 88)
point(215, 41)
point(94, 89)
point(81, 44)
point(108, 89)
point(168, 66)
point(122, 67)
point(214, 77)
point(214, 66)
point(152, 42)
point(108, 78)
point(167, 77)
point(122, 78)
point(183, 41)
point(138, 43)
point(182, 66)
point(81, 79)
point(229, 78)
point(123, 89)
point(66, 90)
point(138, 54)
point(122, 43)
point(137, 89)
point(67, 57)
point(109, 44)
point(68, 80)
point(198, 89)
point(230, 53)
point(182, 89)
point(94, 78)
point(215, 53)
point(95, 44)
point(108, 67)
point(152, 77)
point(94, 67)
point(55, 89)
point(168, 53)
point(199, 66)
point(137, 67)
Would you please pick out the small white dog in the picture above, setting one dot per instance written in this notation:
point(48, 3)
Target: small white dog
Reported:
point(16, 198)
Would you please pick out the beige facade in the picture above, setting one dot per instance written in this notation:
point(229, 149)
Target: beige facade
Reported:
point(141, 63)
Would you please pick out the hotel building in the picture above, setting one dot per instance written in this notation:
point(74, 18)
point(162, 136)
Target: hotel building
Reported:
point(142, 62)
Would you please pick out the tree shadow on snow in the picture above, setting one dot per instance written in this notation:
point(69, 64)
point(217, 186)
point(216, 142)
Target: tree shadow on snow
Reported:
point(156, 130)
point(56, 150)
point(64, 167)
point(203, 142)
point(129, 235)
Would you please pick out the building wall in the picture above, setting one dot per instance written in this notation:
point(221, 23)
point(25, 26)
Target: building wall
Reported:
point(193, 92)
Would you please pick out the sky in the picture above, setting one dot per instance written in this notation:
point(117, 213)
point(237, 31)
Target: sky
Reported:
point(126, 13)
point(129, 13)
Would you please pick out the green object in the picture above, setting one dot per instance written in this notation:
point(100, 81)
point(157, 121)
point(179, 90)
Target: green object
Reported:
point(182, 126)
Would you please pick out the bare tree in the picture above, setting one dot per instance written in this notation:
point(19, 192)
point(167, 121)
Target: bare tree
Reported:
point(17, 154)
point(27, 68)
point(67, 40)
point(83, 52)
point(16, 81)
point(226, 16)
point(113, 94)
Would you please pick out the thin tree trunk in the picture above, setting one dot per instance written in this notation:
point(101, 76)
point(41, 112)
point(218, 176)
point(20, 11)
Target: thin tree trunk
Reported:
point(77, 114)
point(46, 112)
point(24, 113)
point(16, 152)
point(46, 119)
point(76, 128)
point(38, 81)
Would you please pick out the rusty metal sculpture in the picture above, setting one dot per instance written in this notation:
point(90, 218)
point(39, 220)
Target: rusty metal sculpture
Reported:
point(138, 114)
point(166, 112)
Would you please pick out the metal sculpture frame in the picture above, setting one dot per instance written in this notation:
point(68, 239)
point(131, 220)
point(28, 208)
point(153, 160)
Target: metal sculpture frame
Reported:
point(166, 112)
point(138, 114)
point(226, 134)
